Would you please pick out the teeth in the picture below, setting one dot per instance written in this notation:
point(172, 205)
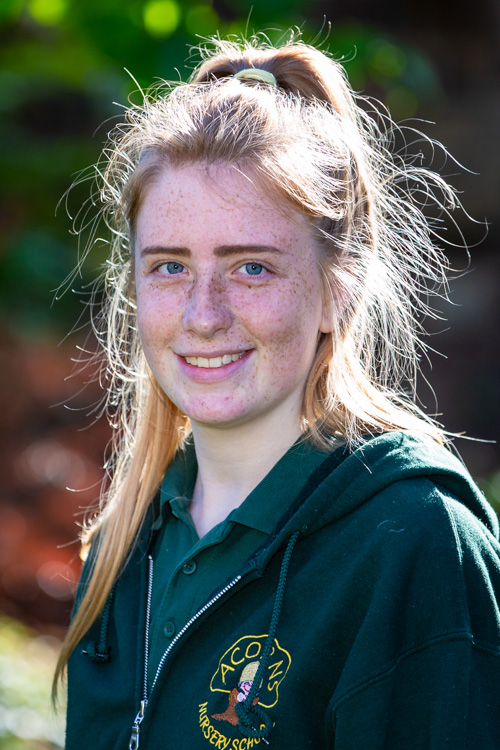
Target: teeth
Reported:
point(213, 362)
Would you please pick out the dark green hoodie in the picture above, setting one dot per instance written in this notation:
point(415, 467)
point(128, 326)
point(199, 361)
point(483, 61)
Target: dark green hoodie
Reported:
point(368, 621)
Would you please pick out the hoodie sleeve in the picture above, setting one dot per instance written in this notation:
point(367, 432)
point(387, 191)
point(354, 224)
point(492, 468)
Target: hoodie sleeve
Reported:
point(444, 690)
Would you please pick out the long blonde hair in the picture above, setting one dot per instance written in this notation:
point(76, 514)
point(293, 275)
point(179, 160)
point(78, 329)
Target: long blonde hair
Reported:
point(307, 142)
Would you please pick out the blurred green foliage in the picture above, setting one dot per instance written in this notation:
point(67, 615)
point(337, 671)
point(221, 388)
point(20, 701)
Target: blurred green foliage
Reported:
point(27, 662)
point(62, 65)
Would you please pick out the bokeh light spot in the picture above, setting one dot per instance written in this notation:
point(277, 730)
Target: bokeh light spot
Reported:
point(402, 102)
point(236, 28)
point(47, 462)
point(47, 12)
point(161, 17)
point(386, 59)
point(56, 579)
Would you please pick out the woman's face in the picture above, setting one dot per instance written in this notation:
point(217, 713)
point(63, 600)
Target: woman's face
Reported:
point(229, 297)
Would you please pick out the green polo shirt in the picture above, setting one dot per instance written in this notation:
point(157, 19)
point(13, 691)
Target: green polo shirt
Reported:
point(187, 569)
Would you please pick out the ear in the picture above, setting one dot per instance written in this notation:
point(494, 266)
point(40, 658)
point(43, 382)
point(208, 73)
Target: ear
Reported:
point(327, 313)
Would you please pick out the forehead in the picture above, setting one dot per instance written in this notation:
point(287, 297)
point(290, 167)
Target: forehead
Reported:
point(217, 200)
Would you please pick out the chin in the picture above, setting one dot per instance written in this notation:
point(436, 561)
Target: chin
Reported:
point(218, 417)
point(220, 421)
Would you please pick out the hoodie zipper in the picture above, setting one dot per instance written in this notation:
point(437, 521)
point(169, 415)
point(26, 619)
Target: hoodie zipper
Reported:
point(136, 726)
point(134, 737)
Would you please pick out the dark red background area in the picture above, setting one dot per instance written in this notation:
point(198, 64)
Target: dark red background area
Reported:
point(49, 446)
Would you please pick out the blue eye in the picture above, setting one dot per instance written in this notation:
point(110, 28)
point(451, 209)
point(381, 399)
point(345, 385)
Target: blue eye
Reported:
point(171, 267)
point(253, 269)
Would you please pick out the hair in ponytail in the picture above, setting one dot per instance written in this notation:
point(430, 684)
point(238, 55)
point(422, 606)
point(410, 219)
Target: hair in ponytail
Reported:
point(308, 143)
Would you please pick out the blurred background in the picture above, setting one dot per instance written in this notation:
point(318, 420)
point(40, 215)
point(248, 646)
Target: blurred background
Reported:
point(63, 74)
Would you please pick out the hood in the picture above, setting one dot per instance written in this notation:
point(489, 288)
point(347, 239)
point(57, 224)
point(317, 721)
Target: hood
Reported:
point(347, 480)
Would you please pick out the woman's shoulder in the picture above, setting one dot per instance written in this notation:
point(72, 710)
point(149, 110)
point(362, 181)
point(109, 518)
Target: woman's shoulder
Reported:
point(413, 476)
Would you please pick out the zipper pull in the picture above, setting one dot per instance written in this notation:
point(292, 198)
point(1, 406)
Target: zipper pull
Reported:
point(136, 726)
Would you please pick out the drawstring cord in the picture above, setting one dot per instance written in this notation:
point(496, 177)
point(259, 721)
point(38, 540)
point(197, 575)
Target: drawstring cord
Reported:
point(249, 714)
point(100, 653)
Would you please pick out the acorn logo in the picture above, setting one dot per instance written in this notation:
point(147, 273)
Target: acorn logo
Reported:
point(237, 669)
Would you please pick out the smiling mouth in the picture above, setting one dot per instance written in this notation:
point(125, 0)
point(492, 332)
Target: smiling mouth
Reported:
point(214, 362)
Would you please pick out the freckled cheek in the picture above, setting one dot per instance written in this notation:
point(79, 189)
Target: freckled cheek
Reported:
point(156, 320)
point(287, 344)
point(286, 321)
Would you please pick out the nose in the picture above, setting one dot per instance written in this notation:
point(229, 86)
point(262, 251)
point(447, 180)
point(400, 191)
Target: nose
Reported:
point(208, 311)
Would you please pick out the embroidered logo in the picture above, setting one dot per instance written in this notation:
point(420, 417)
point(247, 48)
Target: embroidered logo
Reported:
point(235, 676)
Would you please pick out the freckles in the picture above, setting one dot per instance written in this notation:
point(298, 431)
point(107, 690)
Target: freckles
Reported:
point(156, 319)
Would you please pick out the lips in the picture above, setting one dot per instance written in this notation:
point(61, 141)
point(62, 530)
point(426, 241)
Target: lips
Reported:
point(214, 362)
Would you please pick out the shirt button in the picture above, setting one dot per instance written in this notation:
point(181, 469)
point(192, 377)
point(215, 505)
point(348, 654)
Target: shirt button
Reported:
point(168, 628)
point(189, 567)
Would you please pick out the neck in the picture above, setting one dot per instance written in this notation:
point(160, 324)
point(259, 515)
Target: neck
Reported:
point(233, 461)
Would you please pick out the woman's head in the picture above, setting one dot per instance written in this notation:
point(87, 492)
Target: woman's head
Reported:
point(298, 135)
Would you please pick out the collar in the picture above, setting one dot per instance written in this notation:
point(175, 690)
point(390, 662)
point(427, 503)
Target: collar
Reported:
point(264, 506)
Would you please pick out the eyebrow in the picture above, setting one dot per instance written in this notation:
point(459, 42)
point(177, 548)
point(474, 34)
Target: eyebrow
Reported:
point(223, 251)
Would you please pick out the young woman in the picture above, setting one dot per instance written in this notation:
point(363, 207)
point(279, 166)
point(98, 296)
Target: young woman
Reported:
point(288, 555)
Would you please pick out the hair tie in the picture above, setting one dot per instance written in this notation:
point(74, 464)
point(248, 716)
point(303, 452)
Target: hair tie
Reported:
point(257, 74)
